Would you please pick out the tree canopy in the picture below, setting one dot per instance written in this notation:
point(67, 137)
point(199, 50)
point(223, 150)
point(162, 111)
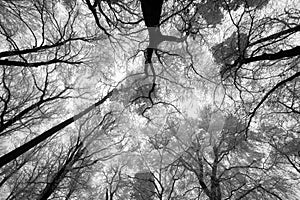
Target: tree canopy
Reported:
point(149, 99)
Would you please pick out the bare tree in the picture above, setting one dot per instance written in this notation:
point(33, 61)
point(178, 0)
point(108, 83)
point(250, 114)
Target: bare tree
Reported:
point(34, 79)
point(63, 167)
point(48, 30)
point(260, 60)
point(228, 167)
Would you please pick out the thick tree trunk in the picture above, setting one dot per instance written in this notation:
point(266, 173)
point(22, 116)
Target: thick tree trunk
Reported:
point(151, 12)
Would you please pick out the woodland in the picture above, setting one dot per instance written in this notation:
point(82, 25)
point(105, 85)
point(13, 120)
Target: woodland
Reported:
point(149, 99)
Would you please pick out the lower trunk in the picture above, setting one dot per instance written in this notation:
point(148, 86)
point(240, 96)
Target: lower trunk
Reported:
point(215, 191)
point(61, 174)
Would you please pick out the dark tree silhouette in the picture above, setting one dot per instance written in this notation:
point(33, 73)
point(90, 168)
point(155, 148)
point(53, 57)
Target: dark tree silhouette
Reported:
point(152, 14)
point(42, 137)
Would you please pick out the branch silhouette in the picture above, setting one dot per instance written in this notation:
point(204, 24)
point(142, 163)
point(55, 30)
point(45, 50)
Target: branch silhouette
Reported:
point(42, 137)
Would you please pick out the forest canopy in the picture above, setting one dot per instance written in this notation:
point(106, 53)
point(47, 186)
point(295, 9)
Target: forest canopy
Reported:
point(149, 99)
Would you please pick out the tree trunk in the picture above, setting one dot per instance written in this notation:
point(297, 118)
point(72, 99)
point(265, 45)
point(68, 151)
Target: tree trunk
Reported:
point(37, 140)
point(62, 172)
point(215, 183)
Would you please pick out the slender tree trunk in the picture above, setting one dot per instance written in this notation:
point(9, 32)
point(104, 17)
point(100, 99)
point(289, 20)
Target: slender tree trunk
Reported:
point(215, 183)
point(289, 53)
point(61, 174)
point(106, 194)
point(37, 140)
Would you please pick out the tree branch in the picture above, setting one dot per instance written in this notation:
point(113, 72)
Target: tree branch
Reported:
point(276, 56)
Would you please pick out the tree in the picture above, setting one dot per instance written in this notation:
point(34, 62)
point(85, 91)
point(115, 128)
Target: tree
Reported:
point(150, 125)
point(229, 167)
point(114, 181)
point(261, 58)
point(143, 186)
point(49, 36)
point(29, 94)
point(29, 97)
point(64, 166)
point(37, 140)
